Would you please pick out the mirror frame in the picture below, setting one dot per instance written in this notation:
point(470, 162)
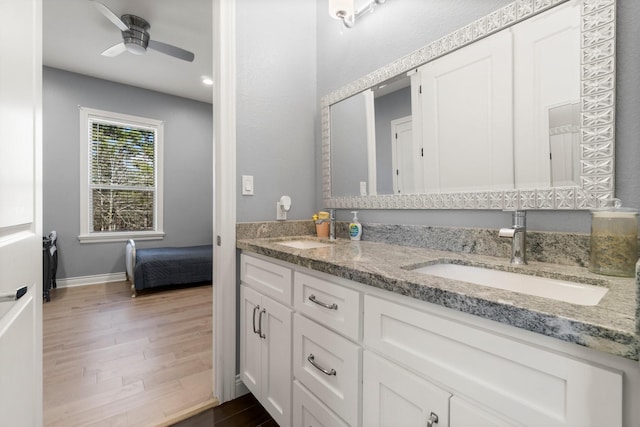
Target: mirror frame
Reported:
point(597, 121)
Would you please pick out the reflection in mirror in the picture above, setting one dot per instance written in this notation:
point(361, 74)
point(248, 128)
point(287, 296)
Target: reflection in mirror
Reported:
point(506, 113)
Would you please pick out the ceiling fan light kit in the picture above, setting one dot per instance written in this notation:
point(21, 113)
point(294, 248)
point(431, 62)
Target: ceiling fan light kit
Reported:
point(136, 38)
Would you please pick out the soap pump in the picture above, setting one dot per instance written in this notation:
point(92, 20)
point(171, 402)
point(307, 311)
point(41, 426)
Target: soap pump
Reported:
point(355, 228)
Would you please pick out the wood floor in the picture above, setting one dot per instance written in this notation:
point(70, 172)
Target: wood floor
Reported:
point(113, 360)
point(244, 411)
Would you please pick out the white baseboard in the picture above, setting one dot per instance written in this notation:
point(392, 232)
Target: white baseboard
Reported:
point(241, 389)
point(71, 282)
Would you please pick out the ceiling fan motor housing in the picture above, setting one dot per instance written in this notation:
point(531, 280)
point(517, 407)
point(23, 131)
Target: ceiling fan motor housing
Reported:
point(136, 38)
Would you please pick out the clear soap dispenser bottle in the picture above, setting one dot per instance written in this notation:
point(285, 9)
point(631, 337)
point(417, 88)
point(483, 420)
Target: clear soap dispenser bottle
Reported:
point(614, 240)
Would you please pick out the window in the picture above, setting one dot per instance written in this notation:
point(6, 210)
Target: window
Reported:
point(121, 177)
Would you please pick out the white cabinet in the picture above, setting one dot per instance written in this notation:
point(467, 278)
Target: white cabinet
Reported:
point(395, 397)
point(329, 366)
point(420, 362)
point(265, 352)
point(521, 381)
point(265, 337)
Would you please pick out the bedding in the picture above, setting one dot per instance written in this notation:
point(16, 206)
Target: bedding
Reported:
point(156, 267)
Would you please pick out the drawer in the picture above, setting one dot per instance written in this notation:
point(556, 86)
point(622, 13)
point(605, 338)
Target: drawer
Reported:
point(522, 381)
point(334, 306)
point(268, 278)
point(339, 385)
point(308, 411)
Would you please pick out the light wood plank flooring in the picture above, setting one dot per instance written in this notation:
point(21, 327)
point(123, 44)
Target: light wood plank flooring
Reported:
point(113, 360)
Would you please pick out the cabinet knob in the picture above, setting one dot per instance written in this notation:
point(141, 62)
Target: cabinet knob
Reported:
point(433, 419)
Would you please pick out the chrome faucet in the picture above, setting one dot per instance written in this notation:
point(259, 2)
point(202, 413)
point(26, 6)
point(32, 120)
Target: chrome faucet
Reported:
point(518, 235)
point(332, 224)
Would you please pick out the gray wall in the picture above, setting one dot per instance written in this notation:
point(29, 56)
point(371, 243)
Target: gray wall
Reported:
point(399, 27)
point(389, 107)
point(276, 106)
point(188, 170)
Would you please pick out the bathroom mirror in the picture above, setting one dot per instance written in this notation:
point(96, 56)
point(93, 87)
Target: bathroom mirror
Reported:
point(513, 111)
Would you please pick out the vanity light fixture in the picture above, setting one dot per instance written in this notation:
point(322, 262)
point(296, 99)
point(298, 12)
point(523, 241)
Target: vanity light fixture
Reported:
point(344, 10)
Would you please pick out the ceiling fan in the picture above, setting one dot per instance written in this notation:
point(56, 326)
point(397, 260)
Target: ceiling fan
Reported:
point(136, 38)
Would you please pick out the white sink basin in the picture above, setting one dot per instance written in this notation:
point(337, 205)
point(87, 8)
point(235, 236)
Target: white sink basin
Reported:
point(560, 290)
point(304, 244)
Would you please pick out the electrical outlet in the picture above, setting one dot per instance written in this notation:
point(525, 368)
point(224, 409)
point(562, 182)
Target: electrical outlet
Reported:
point(281, 214)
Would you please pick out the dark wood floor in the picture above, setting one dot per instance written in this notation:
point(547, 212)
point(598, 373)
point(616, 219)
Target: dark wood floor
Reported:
point(244, 411)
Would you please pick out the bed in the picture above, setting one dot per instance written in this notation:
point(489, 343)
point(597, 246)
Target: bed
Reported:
point(157, 267)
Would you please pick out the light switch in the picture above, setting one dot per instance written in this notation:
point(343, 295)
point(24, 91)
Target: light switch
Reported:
point(247, 185)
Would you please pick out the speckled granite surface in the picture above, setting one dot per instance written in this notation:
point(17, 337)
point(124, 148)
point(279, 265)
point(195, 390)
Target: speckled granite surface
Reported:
point(612, 326)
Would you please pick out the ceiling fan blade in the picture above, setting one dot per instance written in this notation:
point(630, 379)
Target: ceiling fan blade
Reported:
point(170, 50)
point(110, 15)
point(115, 50)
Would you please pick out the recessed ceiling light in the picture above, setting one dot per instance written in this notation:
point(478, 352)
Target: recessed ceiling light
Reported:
point(207, 81)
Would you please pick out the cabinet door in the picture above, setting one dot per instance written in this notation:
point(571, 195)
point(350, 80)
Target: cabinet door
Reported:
point(464, 413)
point(309, 411)
point(395, 397)
point(276, 361)
point(250, 342)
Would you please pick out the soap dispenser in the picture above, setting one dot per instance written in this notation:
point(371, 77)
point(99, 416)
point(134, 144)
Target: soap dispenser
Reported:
point(355, 228)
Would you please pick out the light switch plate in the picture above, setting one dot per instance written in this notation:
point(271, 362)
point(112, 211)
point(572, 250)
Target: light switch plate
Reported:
point(247, 185)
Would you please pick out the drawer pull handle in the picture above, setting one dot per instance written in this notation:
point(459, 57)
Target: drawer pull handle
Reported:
point(433, 419)
point(312, 360)
point(313, 299)
point(263, 311)
point(257, 307)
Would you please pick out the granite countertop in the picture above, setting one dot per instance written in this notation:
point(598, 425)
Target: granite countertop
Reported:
point(611, 326)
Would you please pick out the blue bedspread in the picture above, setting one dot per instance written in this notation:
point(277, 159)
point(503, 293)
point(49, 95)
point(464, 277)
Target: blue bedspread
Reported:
point(173, 266)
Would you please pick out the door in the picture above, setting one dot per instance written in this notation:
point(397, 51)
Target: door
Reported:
point(21, 212)
point(395, 397)
point(403, 157)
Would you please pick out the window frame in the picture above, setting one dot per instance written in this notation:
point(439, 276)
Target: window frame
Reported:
point(88, 236)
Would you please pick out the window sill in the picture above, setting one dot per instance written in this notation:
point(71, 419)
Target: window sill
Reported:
point(120, 237)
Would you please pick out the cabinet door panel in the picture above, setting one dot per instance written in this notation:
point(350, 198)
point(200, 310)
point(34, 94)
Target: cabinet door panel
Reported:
point(276, 361)
point(250, 343)
point(340, 390)
point(395, 397)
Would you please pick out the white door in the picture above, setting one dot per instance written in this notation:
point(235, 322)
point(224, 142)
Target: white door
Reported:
point(403, 157)
point(395, 397)
point(467, 117)
point(21, 212)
